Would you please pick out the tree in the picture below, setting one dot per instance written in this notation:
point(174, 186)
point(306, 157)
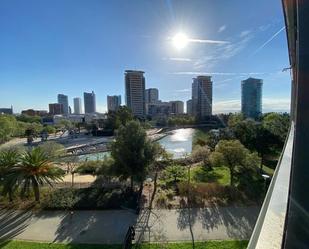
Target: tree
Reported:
point(49, 129)
point(52, 150)
point(201, 154)
point(116, 118)
point(132, 152)
point(8, 127)
point(278, 124)
point(174, 173)
point(34, 170)
point(8, 159)
point(232, 154)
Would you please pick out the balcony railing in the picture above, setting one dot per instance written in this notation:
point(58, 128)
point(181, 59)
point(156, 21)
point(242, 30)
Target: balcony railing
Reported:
point(269, 228)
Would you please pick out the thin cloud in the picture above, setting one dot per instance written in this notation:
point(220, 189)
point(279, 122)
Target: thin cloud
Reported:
point(268, 104)
point(177, 59)
point(222, 28)
point(245, 33)
point(269, 40)
point(218, 73)
point(186, 90)
point(208, 41)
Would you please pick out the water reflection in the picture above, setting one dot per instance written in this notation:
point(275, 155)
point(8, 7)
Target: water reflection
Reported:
point(179, 142)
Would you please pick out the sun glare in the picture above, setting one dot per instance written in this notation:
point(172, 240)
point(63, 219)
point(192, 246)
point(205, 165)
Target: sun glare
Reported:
point(180, 41)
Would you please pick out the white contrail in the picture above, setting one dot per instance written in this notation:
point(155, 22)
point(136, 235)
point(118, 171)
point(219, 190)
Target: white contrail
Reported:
point(207, 41)
point(268, 41)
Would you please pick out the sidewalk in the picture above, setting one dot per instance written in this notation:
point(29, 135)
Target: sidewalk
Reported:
point(110, 227)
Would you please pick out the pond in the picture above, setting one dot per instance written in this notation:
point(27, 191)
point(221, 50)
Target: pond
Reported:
point(178, 142)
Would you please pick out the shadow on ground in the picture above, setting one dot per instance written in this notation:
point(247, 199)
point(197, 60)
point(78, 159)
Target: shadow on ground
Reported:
point(12, 223)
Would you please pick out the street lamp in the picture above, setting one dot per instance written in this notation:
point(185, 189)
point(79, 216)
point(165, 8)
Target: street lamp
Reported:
point(265, 177)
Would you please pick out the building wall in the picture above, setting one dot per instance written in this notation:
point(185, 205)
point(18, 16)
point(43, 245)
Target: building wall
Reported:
point(89, 102)
point(251, 97)
point(177, 107)
point(63, 99)
point(77, 105)
point(204, 97)
point(151, 95)
point(194, 97)
point(56, 109)
point(113, 102)
point(189, 107)
point(135, 92)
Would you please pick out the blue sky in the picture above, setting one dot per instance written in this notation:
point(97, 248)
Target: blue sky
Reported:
point(71, 46)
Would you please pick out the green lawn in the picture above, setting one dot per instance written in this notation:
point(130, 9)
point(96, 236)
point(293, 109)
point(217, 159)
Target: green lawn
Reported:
point(268, 170)
point(198, 245)
point(220, 175)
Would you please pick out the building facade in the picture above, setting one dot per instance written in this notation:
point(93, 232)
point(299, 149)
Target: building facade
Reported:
point(189, 107)
point(177, 107)
point(251, 97)
point(151, 95)
point(6, 110)
point(135, 92)
point(113, 102)
point(159, 109)
point(77, 105)
point(63, 99)
point(204, 96)
point(194, 96)
point(89, 102)
point(56, 109)
point(31, 112)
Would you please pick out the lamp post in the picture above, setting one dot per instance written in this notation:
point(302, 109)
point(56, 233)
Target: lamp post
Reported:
point(265, 177)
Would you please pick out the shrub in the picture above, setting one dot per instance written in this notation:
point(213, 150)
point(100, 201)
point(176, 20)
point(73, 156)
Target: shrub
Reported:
point(161, 199)
point(89, 198)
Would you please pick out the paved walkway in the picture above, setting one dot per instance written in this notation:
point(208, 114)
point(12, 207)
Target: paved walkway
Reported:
point(111, 226)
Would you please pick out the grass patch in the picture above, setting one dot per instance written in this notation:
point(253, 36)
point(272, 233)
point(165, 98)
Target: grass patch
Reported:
point(268, 171)
point(37, 245)
point(219, 175)
point(233, 244)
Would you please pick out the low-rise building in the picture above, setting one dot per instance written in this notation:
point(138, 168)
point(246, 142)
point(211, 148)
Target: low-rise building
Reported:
point(32, 112)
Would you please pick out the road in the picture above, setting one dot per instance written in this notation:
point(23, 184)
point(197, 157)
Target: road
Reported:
point(109, 227)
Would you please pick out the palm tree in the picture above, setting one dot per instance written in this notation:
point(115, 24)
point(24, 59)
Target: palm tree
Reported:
point(8, 159)
point(34, 170)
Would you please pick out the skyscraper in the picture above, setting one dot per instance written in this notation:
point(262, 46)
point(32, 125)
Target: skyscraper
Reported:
point(135, 92)
point(77, 105)
point(89, 102)
point(204, 96)
point(189, 107)
point(151, 95)
point(194, 96)
point(113, 102)
point(63, 99)
point(251, 97)
point(177, 107)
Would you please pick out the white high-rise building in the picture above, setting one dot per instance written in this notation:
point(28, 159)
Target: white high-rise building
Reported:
point(77, 105)
point(64, 101)
point(113, 102)
point(135, 92)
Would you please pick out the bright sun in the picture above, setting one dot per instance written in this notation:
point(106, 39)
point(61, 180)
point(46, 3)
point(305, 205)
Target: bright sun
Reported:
point(180, 41)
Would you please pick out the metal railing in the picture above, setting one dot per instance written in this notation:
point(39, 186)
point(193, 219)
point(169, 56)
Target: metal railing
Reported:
point(269, 228)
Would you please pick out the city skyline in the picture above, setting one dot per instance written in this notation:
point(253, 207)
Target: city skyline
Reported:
point(35, 70)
